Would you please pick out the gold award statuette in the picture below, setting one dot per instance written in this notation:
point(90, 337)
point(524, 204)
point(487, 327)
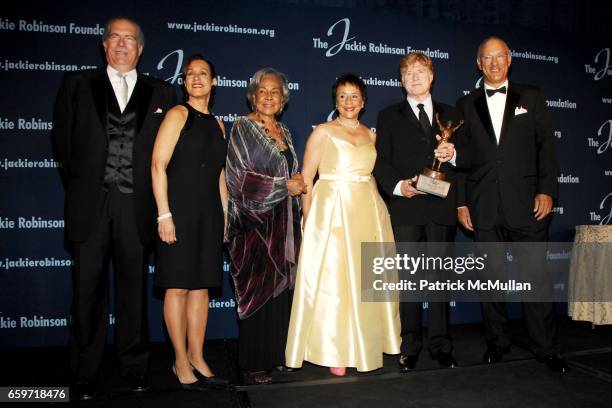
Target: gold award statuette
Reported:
point(431, 180)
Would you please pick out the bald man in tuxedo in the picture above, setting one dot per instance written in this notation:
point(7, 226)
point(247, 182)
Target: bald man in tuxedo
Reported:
point(507, 150)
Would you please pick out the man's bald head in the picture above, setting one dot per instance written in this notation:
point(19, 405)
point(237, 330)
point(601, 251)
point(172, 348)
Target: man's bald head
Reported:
point(494, 61)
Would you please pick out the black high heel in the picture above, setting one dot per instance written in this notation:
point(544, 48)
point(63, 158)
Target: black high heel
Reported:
point(198, 385)
point(212, 381)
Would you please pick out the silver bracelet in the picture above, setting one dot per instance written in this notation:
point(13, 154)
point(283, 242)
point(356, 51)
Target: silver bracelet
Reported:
point(164, 216)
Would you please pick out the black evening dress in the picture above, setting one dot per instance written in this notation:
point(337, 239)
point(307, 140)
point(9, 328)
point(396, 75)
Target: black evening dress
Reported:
point(195, 260)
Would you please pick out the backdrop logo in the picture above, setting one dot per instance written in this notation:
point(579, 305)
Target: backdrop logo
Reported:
point(336, 48)
point(603, 66)
point(568, 179)
point(605, 132)
point(25, 124)
point(347, 43)
point(477, 85)
point(564, 104)
point(30, 223)
point(8, 322)
point(606, 204)
point(40, 27)
point(21, 163)
point(228, 117)
point(176, 76)
point(331, 116)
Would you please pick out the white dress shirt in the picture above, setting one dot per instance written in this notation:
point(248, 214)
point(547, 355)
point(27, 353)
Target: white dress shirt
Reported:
point(130, 78)
point(497, 104)
point(428, 106)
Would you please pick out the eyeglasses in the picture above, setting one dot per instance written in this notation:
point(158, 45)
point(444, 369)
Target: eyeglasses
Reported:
point(489, 58)
point(114, 37)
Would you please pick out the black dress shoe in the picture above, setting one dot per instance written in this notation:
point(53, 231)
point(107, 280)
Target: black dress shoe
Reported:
point(407, 363)
point(554, 362)
point(84, 389)
point(256, 377)
point(494, 354)
point(445, 359)
point(285, 369)
point(138, 382)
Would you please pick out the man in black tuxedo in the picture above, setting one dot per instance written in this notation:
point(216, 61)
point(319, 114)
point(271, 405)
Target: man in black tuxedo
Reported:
point(508, 149)
point(105, 123)
point(405, 144)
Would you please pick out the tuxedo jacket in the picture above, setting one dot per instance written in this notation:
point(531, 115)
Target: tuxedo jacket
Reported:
point(511, 173)
point(403, 151)
point(80, 144)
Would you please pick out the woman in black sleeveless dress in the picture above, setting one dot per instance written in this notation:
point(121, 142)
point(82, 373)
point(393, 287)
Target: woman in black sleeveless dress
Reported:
point(191, 194)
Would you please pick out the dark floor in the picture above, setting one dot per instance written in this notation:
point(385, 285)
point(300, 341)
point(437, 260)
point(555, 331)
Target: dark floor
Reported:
point(518, 381)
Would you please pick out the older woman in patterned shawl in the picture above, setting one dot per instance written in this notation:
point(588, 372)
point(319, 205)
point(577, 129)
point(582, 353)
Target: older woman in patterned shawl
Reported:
point(264, 224)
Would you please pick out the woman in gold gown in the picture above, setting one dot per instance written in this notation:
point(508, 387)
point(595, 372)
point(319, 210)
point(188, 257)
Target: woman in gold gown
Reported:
point(330, 325)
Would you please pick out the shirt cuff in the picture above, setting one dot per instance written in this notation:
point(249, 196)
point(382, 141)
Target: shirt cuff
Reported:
point(453, 160)
point(398, 189)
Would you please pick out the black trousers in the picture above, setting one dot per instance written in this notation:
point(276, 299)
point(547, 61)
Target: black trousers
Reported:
point(411, 313)
point(114, 237)
point(540, 316)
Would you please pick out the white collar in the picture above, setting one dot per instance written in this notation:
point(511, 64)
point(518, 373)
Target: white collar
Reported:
point(130, 75)
point(487, 86)
point(413, 102)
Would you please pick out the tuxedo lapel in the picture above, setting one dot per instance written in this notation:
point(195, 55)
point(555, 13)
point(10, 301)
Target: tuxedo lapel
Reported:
point(408, 113)
point(100, 85)
point(483, 113)
point(142, 97)
point(512, 101)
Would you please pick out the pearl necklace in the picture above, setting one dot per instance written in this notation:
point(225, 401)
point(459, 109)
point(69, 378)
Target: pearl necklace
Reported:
point(348, 126)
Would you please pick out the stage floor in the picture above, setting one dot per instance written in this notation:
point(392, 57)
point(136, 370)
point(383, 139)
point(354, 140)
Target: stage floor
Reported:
point(518, 381)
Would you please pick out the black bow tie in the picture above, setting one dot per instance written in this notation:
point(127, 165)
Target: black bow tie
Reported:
point(491, 92)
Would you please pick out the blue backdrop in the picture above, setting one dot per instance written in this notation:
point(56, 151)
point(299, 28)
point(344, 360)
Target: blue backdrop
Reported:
point(312, 45)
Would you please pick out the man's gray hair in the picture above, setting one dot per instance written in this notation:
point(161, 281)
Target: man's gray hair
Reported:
point(140, 38)
point(256, 79)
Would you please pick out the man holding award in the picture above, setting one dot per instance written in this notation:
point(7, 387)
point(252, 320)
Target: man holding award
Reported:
point(407, 144)
point(507, 147)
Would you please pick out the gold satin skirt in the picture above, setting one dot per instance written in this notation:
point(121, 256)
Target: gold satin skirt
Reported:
point(330, 325)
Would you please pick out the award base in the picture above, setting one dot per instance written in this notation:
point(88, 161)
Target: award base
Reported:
point(432, 182)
